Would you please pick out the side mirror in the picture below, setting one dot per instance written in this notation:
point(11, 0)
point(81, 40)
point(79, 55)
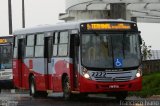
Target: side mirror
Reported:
point(140, 39)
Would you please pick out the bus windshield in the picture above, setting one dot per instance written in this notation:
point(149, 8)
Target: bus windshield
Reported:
point(102, 50)
point(5, 56)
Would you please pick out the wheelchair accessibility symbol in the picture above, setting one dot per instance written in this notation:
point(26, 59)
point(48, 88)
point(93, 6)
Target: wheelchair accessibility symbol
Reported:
point(118, 62)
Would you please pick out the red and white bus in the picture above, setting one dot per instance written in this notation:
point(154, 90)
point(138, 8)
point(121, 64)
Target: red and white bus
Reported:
point(95, 56)
point(6, 49)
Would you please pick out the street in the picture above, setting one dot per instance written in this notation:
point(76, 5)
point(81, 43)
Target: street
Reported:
point(23, 99)
point(15, 99)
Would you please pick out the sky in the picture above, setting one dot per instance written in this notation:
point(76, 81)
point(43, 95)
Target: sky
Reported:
point(40, 12)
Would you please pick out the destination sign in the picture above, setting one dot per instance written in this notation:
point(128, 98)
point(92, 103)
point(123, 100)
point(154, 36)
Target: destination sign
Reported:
point(108, 26)
point(3, 41)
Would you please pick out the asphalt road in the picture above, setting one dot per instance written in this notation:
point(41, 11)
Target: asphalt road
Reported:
point(20, 99)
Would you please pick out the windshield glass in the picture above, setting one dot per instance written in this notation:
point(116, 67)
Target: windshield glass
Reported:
point(110, 50)
point(5, 56)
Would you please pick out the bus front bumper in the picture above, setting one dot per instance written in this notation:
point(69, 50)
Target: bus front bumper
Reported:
point(90, 86)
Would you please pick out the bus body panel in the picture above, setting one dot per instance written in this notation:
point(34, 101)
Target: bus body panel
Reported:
point(37, 68)
point(29, 66)
point(50, 76)
point(60, 67)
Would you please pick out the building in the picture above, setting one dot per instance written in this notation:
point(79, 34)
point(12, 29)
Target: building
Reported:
point(136, 10)
point(152, 64)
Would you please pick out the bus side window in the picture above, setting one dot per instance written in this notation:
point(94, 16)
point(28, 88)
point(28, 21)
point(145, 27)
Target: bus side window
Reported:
point(30, 46)
point(63, 44)
point(55, 44)
point(39, 47)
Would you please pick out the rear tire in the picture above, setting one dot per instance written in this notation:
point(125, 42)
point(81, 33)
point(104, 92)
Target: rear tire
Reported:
point(43, 93)
point(32, 87)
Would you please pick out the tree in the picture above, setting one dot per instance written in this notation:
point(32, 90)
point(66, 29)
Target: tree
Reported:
point(146, 51)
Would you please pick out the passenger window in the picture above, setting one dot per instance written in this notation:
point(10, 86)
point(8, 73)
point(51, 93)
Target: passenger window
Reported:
point(39, 48)
point(29, 51)
point(64, 37)
point(56, 38)
point(54, 50)
point(30, 40)
point(62, 50)
point(63, 44)
point(60, 46)
point(39, 51)
point(40, 39)
point(30, 46)
point(55, 43)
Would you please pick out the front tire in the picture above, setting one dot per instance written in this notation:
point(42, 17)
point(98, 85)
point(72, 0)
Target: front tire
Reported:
point(66, 89)
point(121, 96)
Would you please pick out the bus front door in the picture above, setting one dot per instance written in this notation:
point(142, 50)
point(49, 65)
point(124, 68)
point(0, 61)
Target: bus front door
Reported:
point(21, 49)
point(74, 54)
point(48, 65)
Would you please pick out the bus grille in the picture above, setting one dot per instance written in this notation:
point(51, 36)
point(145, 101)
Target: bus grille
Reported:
point(110, 79)
point(105, 76)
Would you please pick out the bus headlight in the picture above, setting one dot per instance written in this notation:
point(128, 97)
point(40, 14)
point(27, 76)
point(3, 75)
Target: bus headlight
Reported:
point(139, 72)
point(138, 75)
point(85, 73)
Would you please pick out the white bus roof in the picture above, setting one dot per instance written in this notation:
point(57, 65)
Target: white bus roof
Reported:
point(62, 26)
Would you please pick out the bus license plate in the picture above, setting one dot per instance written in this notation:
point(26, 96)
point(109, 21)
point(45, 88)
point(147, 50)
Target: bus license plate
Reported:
point(113, 86)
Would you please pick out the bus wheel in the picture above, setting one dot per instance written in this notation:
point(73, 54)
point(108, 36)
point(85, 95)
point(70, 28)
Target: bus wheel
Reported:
point(82, 96)
point(66, 88)
point(121, 96)
point(43, 94)
point(32, 87)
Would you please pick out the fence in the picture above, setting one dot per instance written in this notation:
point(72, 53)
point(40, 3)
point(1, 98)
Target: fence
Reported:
point(151, 66)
